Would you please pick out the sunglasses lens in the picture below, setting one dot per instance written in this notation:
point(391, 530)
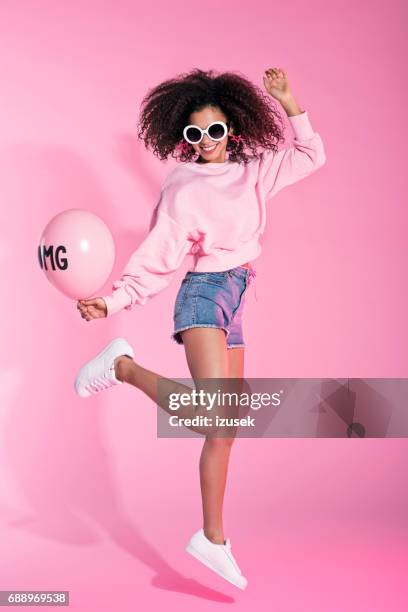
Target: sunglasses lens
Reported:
point(217, 131)
point(193, 134)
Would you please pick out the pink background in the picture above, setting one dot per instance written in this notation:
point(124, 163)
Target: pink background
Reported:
point(91, 501)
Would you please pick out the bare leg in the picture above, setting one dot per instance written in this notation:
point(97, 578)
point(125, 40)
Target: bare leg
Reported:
point(207, 357)
point(158, 388)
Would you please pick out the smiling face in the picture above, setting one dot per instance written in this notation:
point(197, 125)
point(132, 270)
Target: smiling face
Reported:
point(202, 119)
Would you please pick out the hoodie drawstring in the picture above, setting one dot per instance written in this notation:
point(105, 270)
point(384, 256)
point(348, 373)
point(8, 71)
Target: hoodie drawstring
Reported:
point(252, 276)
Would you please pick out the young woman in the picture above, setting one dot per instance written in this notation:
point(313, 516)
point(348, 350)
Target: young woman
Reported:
point(212, 205)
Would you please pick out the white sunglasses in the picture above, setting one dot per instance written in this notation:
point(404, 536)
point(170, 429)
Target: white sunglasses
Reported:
point(216, 131)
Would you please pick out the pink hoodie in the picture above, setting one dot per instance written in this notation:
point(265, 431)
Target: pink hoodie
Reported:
point(215, 211)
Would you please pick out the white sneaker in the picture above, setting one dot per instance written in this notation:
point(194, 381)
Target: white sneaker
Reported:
point(217, 557)
point(99, 373)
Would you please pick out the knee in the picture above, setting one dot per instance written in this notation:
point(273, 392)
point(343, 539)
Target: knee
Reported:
point(219, 443)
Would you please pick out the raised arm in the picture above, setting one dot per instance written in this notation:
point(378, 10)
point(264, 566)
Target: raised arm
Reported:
point(293, 163)
point(304, 156)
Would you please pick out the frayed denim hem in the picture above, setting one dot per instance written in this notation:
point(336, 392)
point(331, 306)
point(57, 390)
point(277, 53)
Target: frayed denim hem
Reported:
point(176, 331)
point(230, 346)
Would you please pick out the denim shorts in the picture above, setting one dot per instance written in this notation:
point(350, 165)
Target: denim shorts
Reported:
point(213, 299)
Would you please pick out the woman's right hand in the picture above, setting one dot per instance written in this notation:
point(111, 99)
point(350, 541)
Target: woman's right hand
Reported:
point(94, 308)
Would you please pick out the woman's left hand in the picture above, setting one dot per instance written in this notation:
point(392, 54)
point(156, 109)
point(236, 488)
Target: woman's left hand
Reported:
point(276, 83)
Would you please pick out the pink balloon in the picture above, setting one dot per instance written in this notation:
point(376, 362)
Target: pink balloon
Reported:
point(77, 253)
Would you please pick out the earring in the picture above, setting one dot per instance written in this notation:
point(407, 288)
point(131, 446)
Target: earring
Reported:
point(236, 139)
point(183, 147)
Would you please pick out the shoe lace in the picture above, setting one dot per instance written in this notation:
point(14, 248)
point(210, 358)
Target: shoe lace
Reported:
point(100, 382)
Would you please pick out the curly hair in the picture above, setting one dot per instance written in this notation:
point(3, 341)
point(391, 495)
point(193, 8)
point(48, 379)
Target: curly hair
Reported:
point(165, 110)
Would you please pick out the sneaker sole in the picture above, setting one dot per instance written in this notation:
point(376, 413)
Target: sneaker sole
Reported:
point(122, 345)
point(192, 551)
